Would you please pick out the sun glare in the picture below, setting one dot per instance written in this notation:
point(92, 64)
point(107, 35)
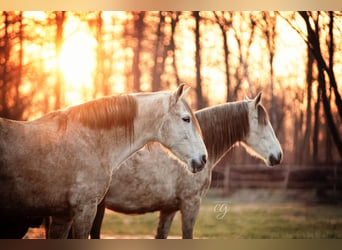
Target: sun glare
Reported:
point(77, 62)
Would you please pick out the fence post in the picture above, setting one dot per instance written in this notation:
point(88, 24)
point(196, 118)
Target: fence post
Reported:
point(286, 180)
point(226, 180)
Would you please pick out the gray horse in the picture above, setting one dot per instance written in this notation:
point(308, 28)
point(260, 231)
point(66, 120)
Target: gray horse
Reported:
point(61, 164)
point(152, 181)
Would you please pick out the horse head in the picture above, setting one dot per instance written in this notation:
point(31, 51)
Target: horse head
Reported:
point(261, 136)
point(181, 133)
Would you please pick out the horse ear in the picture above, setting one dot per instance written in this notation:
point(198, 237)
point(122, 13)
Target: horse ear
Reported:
point(257, 99)
point(185, 92)
point(180, 92)
point(246, 98)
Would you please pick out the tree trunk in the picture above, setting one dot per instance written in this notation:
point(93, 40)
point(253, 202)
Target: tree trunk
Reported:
point(316, 127)
point(270, 34)
point(296, 130)
point(200, 100)
point(174, 21)
point(328, 142)
point(223, 27)
point(327, 110)
point(156, 71)
point(100, 83)
point(60, 18)
point(20, 66)
point(313, 40)
point(4, 56)
point(332, 80)
point(226, 64)
point(238, 76)
point(306, 140)
point(138, 34)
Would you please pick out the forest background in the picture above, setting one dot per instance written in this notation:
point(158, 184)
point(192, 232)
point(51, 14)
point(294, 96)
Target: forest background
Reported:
point(53, 59)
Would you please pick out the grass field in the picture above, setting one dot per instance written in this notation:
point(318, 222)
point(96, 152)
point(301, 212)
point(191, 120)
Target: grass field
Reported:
point(241, 221)
point(267, 215)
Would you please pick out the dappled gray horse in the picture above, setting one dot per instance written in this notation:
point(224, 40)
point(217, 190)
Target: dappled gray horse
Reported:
point(152, 181)
point(60, 165)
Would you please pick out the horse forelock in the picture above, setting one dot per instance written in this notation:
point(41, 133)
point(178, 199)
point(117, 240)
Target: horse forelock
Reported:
point(106, 113)
point(223, 125)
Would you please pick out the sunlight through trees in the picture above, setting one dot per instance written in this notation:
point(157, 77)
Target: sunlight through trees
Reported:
point(52, 59)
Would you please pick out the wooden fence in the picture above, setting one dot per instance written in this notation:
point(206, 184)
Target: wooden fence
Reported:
point(282, 177)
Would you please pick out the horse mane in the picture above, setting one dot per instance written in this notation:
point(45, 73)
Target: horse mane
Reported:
point(106, 113)
point(223, 125)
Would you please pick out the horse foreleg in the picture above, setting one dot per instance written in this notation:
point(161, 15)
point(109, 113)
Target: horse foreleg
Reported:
point(189, 212)
point(59, 227)
point(165, 221)
point(83, 220)
point(96, 228)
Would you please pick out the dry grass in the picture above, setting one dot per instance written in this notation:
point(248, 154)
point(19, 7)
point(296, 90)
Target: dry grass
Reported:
point(242, 221)
point(249, 215)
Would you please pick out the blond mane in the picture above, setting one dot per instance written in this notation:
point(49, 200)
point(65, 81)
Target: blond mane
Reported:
point(223, 125)
point(106, 113)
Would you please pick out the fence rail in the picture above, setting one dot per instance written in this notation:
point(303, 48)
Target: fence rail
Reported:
point(282, 177)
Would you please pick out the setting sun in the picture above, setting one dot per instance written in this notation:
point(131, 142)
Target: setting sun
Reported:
point(77, 62)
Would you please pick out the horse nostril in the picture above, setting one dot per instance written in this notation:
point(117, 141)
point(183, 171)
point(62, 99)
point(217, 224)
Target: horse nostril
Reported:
point(204, 159)
point(274, 160)
point(280, 157)
point(198, 164)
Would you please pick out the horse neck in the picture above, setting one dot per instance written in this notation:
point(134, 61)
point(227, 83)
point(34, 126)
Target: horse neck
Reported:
point(222, 126)
point(145, 127)
point(147, 121)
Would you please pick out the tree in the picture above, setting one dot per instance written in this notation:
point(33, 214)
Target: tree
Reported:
point(269, 30)
point(313, 40)
point(159, 56)
point(139, 27)
point(59, 19)
point(174, 21)
point(12, 103)
point(199, 94)
point(305, 148)
point(316, 126)
point(224, 20)
point(241, 71)
point(100, 85)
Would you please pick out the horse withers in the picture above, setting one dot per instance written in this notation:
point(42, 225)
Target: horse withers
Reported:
point(60, 165)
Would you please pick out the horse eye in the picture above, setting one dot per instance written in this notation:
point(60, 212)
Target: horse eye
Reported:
point(186, 119)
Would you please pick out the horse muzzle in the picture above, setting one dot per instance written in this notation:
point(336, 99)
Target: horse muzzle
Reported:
point(197, 165)
point(275, 159)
